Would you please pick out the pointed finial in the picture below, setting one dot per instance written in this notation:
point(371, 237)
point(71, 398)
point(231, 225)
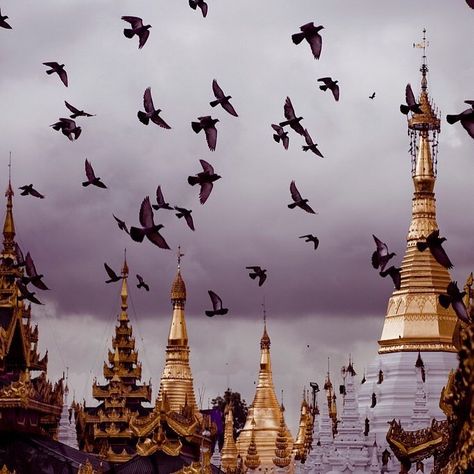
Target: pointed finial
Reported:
point(282, 406)
point(264, 313)
point(179, 254)
point(424, 66)
point(125, 266)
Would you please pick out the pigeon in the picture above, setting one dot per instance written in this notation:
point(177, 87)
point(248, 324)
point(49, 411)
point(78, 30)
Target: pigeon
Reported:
point(28, 189)
point(205, 179)
point(25, 294)
point(381, 256)
point(76, 112)
point(222, 99)
point(281, 135)
point(310, 33)
point(217, 305)
point(137, 28)
point(141, 283)
point(455, 298)
point(149, 229)
point(208, 124)
point(150, 112)
point(328, 83)
point(186, 213)
point(33, 276)
point(310, 145)
point(394, 274)
point(201, 4)
point(466, 118)
point(91, 177)
point(292, 120)
point(258, 272)
point(372, 96)
point(59, 69)
point(113, 277)
point(411, 103)
point(311, 238)
point(3, 23)
point(68, 127)
point(298, 200)
point(161, 204)
point(121, 224)
point(434, 242)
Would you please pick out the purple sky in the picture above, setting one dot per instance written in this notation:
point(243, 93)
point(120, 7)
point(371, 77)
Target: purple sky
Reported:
point(331, 299)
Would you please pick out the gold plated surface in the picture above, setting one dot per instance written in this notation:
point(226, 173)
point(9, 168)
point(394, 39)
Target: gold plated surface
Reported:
point(282, 457)
point(229, 449)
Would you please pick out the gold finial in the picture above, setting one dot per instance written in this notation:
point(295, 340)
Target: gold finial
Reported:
point(125, 265)
point(178, 288)
point(9, 225)
point(124, 290)
point(265, 341)
point(179, 254)
point(424, 67)
point(252, 460)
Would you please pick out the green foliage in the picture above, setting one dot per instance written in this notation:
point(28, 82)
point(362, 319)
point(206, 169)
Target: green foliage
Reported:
point(239, 408)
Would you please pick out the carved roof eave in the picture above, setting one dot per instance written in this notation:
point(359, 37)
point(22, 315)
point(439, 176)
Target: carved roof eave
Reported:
point(30, 404)
point(144, 426)
point(169, 447)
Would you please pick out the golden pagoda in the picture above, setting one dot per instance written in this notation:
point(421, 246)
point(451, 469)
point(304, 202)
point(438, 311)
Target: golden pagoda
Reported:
point(229, 449)
point(252, 460)
point(105, 429)
point(282, 457)
point(300, 442)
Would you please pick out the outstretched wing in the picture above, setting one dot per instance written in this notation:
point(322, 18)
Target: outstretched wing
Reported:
point(306, 207)
point(146, 214)
point(110, 272)
point(71, 108)
point(158, 240)
point(207, 167)
point(288, 109)
point(277, 128)
point(295, 194)
point(30, 266)
point(148, 101)
point(134, 21)
point(211, 137)
point(316, 42)
point(219, 94)
point(307, 137)
point(159, 196)
point(382, 248)
point(409, 96)
point(143, 38)
point(89, 171)
point(205, 191)
point(216, 301)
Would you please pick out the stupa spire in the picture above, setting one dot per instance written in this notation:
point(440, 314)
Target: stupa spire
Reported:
point(252, 460)
point(9, 224)
point(282, 457)
point(229, 449)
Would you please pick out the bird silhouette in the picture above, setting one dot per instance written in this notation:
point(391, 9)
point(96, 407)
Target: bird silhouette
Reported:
point(68, 128)
point(186, 213)
point(310, 33)
point(381, 255)
point(113, 277)
point(292, 120)
point(454, 298)
point(121, 224)
point(3, 23)
point(466, 118)
point(411, 106)
point(25, 294)
point(76, 112)
point(222, 99)
point(209, 125)
point(150, 112)
point(58, 69)
point(434, 243)
point(141, 283)
point(20, 259)
point(298, 200)
point(91, 177)
point(201, 4)
point(311, 238)
point(372, 96)
point(137, 28)
point(160, 201)
point(28, 189)
point(33, 277)
point(205, 179)
point(216, 305)
point(330, 84)
point(258, 272)
point(394, 274)
point(281, 135)
point(310, 145)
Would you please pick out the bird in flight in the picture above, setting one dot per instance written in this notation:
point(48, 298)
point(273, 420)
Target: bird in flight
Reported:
point(58, 69)
point(137, 28)
point(298, 200)
point(33, 276)
point(25, 294)
point(201, 4)
point(394, 274)
point(186, 213)
point(216, 305)
point(68, 128)
point(91, 177)
point(222, 99)
point(466, 118)
point(454, 298)
point(76, 112)
point(205, 179)
point(311, 238)
point(281, 135)
point(292, 120)
point(310, 145)
point(328, 83)
point(150, 112)
point(29, 189)
point(209, 125)
point(411, 106)
point(434, 243)
point(3, 23)
point(113, 277)
point(259, 272)
point(160, 201)
point(121, 224)
point(372, 96)
point(141, 283)
point(381, 255)
point(310, 33)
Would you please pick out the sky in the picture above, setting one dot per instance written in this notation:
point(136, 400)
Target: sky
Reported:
point(320, 304)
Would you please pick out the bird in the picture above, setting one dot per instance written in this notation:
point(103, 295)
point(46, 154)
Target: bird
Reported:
point(121, 224)
point(161, 204)
point(113, 277)
point(298, 200)
point(216, 305)
point(281, 135)
point(466, 118)
point(149, 229)
point(310, 33)
point(222, 99)
point(311, 238)
point(411, 102)
point(68, 128)
point(259, 272)
point(292, 120)
point(372, 96)
point(150, 112)
point(454, 298)
point(205, 179)
point(141, 283)
point(328, 83)
point(3, 23)
point(25, 294)
point(29, 189)
point(201, 4)
point(33, 276)
point(310, 145)
point(381, 255)
point(58, 69)
point(186, 213)
point(394, 274)
point(76, 112)
point(91, 177)
point(209, 125)
point(137, 28)
point(434, 243)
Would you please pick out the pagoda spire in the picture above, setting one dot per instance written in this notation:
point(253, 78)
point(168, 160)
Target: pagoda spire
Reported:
point(252, 460)
point(282, 457)
point(9, 224)
point(229, 449)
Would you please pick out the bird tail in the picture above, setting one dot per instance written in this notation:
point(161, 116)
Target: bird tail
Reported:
point(137, 234)
point(305, 148)
point(444, 301)
point(253, 276)
point(284, 124)
point(323, 87)
point(142, 116)
point(452, 118)
point(404, 109)
point(297, 38)
point(192, 180)
point(276, 137)
point(193, 4)
point(292, 205)
point(50, 71)
point(421, 246)
point(214, 103)
point(383, 273)
point(179, 215)
point(210, 314)
point(85, 183)
point(128, 32)
point(56, 126)
point(197, 127)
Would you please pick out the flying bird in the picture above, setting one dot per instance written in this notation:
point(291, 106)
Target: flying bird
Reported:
point(292, 120)
point(466, 118)
point(311, 238)
point(310, 33)
point(411, 102)
point(222, 99)
point(141, 283)
point(149, 229)
point(258, 272)
point(113, 277)
point(29, 189)
point(121, 224)
point(150, 112)
point(310, 145)
point(186, 213)
point(91, 177)
point(201, 4)
point(298, 200)
point(205, 179)
point(281, 135)
point(328, 83)
point(76, 112)
point(454, 298)
point(434, 243)
point(161, 204)
point(381, 255)
point(372, 96)
point(394, 274)
point(58, 69)
point(25, 294)
point(68, 128)
point(3, 23)
point(209, 125)
point(216, 305)
point(137, 28)
point(33, 276)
